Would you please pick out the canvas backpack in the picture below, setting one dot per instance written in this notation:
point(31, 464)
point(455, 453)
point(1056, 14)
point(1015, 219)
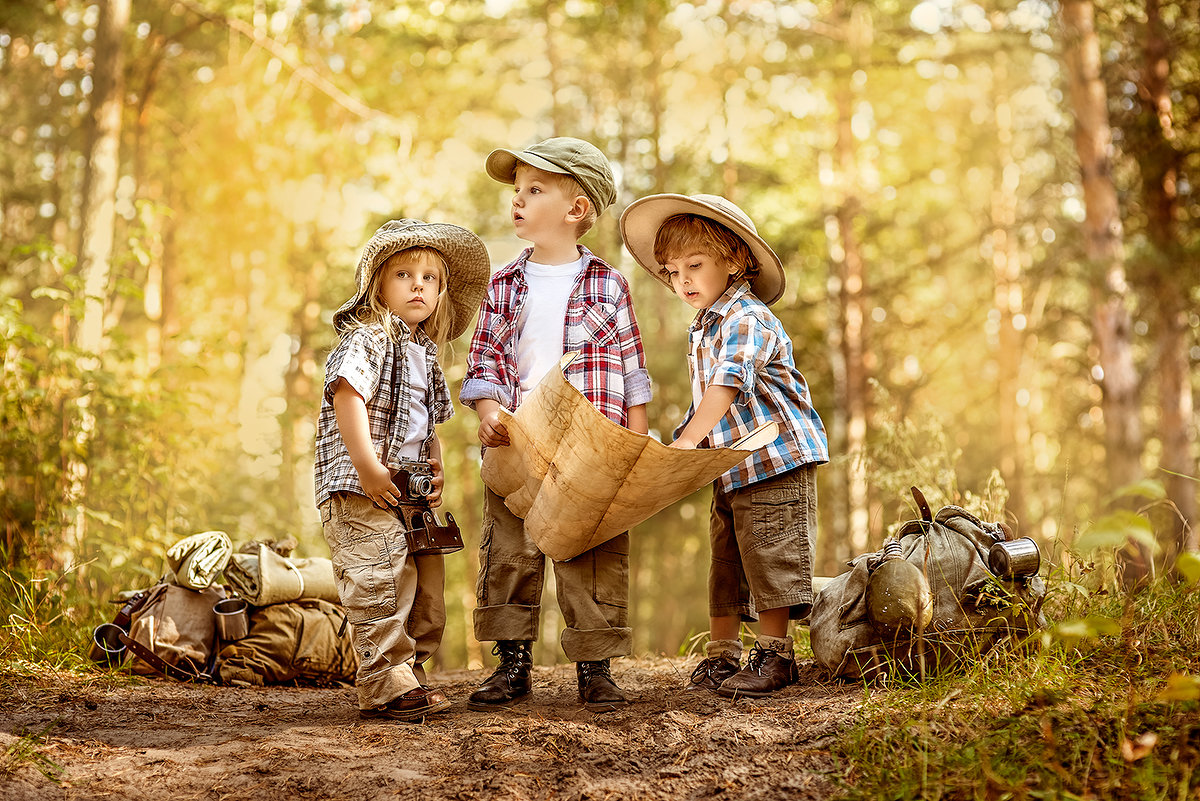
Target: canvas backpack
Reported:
point(967, 604)
point(301, 642)
point(166, 630)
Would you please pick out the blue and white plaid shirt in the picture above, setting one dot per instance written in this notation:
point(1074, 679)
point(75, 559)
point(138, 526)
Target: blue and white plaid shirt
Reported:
point(737, 342)
point(377, 368)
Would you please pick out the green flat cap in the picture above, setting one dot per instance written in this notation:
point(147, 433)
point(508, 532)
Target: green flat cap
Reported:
point(564, 155)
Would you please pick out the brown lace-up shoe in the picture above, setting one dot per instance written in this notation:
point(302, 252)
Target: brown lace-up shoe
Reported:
point(413, 705)
point(766, 671)
point(709, 674)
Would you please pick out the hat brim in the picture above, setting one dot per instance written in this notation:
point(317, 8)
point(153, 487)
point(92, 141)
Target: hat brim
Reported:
point(501, 164)
point(466, 257)
point(643, 217)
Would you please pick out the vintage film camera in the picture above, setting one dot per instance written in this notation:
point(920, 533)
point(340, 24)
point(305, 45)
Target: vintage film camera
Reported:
point(425, 534)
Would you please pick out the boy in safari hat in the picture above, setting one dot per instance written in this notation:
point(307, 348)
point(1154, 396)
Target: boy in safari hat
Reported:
point(764, 511)
point(556, 297)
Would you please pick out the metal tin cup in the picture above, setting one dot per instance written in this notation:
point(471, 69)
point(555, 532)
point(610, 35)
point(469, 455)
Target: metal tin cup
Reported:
point(233, 618)
point(107, 647)
point(1015, 558)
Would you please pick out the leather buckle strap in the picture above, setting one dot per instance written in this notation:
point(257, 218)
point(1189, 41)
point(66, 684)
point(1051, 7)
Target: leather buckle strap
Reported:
point(160, 665)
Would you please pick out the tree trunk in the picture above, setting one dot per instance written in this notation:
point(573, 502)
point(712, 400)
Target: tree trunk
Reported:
point(98, 213)
point(853, 288)
point(1104, 248)
point(1159, 164)
point(97, 218)
point(1011, 416)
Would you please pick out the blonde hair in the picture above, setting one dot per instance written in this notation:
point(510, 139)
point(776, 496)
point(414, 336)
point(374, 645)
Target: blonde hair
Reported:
point(691, 233)
point(569, 187)
point(372, 309)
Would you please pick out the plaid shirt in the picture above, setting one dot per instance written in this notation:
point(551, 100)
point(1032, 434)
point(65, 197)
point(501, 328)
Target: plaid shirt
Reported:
point(377, 368)
point(611, 368)
point(742, 345)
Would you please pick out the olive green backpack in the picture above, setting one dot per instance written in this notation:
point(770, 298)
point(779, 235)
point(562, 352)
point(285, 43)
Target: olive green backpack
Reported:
point(943, 592)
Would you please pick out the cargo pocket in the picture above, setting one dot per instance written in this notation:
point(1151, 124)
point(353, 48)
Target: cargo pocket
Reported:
point(365, 572)
point(612, 571)
point(773, 512)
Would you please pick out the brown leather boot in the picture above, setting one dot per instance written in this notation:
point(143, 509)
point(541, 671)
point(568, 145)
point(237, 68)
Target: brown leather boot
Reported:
point(510, 683)
point(767, 671)
point(597, 689)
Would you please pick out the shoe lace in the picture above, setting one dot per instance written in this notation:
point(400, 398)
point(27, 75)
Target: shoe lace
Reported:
point(510, 659)
point(758, 656)
point(707, 667)
point(593, 670)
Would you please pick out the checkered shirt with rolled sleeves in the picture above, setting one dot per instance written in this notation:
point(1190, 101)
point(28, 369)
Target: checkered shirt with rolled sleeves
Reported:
point(610, 370)
point(741, 344)
point(377, 368)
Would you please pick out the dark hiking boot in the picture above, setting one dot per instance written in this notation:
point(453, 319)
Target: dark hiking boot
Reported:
point(766, 671)
point(709, 674)
point(510, 683)
point(597, 689)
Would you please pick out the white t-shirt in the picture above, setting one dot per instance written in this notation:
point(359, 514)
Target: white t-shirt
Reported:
point(542, 320)
point(418, 413)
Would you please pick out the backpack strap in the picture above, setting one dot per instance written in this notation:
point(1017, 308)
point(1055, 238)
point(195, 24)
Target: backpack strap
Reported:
point(177, 672)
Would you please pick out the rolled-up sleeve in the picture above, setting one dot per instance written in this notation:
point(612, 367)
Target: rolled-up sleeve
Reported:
point(484, 376)
point(745, 346)
point(638, 391)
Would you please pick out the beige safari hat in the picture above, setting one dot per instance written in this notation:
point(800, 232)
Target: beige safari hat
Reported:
point(643, 217)
point(465, 254)
point(565, 155)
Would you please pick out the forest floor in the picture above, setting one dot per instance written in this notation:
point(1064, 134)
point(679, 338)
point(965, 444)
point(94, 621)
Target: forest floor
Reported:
point(67, 736)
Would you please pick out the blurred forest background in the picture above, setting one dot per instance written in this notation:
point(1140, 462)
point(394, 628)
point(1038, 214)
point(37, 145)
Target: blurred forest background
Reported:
point(985, 211)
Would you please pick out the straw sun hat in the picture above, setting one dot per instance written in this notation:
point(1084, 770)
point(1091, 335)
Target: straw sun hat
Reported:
point(643, 217)
point(465, 254)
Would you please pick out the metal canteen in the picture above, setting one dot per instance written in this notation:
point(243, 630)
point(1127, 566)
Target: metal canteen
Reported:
point(1015, 558)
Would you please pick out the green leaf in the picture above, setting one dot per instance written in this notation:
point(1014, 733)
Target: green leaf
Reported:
point(1146, 488)
point(1181, 687)
point(1115, 531)
point(1188, 565)
point(1086, 628)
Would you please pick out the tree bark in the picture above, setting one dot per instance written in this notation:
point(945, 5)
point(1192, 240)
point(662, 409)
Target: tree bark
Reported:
point(1012, 417)
point(98, 212)
point(1159, 163)
point(1104, 248)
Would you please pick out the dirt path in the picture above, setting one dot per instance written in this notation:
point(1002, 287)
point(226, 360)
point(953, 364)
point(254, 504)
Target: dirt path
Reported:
point(160, 740)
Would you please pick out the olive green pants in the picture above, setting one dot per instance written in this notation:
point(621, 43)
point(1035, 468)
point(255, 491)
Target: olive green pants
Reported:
point(592, 589)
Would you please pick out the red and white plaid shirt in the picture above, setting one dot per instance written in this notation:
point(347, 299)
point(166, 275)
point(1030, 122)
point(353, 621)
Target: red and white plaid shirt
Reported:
point(611, 368)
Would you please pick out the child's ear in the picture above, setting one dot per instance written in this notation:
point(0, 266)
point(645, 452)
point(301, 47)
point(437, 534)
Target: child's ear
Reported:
point(579, 208)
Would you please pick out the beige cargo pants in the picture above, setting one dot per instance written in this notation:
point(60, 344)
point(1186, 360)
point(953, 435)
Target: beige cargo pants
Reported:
point(395, 602)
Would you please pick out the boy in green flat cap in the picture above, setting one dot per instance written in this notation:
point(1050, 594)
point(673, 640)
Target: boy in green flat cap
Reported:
point(556, 297)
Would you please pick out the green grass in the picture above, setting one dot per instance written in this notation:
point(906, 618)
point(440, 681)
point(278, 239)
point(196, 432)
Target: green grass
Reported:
point(1105, 705)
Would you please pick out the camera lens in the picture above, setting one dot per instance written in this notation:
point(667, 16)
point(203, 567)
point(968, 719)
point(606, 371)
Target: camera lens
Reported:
point(420, 486)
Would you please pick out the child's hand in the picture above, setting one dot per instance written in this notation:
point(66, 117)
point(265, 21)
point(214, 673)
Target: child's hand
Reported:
point(376, 482)
point(439, 480)
point(492, 433)
point(683, 444)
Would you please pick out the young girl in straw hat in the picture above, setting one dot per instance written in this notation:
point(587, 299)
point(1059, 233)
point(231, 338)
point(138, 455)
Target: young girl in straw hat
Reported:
point(418, 286)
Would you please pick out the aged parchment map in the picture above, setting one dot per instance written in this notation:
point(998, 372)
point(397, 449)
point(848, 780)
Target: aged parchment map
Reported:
point(579, 479)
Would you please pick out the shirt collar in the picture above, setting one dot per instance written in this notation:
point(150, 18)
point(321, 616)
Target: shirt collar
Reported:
point(519, 264)
point(732, 296)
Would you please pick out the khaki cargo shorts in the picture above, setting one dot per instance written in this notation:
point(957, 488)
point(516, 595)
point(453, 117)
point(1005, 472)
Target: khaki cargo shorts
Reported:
point(762, 540)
